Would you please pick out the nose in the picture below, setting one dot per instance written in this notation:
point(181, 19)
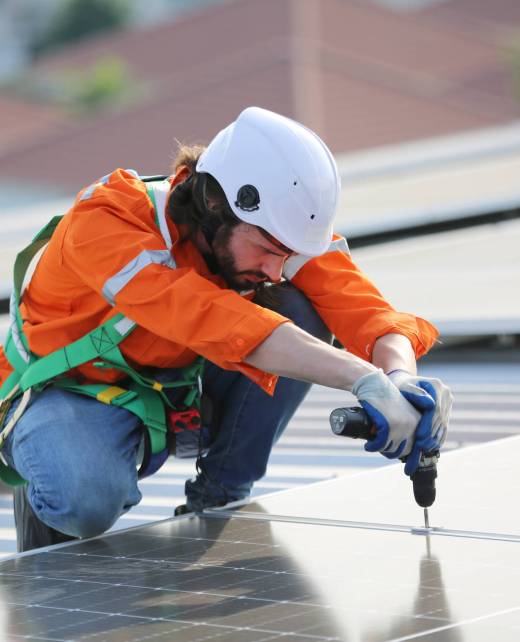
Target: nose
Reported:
point(272, 267)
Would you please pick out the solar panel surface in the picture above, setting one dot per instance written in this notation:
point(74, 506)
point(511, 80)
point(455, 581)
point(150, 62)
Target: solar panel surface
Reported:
point(215, 578)
point(225, 577)
point(477, 488)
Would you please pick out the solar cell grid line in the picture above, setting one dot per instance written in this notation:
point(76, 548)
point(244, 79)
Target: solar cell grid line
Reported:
point(207, 578)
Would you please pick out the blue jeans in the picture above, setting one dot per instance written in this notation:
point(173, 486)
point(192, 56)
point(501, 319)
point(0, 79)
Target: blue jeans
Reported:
point(79, 455)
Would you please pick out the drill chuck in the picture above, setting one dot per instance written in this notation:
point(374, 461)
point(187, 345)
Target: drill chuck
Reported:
point(354, 422)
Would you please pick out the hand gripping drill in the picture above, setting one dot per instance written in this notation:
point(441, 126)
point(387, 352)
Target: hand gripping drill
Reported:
point(354, 422)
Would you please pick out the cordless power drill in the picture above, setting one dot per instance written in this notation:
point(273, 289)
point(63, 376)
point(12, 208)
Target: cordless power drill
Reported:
point(354, 422)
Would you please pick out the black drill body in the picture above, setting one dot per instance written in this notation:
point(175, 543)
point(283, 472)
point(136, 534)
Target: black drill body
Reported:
point(355, 423)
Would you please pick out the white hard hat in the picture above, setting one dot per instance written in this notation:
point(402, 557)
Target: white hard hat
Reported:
point(279, 175)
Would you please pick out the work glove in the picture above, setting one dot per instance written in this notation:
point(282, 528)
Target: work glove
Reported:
point(393, 417)
point(433, 399)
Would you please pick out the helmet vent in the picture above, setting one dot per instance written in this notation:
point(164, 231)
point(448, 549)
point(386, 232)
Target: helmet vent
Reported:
point(248, 198)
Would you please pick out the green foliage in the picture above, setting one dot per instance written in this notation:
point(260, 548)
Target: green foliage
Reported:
point(77, 19)
point(107, 82)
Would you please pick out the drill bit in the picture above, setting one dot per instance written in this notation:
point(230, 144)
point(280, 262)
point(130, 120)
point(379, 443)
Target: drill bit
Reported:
point(426, 519)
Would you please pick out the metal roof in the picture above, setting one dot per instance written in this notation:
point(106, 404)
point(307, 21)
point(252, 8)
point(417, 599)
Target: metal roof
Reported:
point(427, 181)
point(18, 225)
point(465, 281)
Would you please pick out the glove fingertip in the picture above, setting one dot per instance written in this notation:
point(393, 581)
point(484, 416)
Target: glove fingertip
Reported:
point(421, 402)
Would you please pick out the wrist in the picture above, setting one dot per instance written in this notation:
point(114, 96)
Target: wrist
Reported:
point(359, 371)
point(372, 380)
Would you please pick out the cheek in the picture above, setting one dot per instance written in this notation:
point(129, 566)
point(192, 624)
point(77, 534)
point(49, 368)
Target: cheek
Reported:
point(245, 256)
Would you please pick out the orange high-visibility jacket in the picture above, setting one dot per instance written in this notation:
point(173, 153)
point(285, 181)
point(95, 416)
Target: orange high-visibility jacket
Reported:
point(109, 256)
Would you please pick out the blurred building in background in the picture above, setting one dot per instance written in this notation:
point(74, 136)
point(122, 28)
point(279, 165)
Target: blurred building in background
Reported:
point(25, 23)
point(362, 74)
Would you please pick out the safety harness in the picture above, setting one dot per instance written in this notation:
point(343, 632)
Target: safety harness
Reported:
point(145, 397)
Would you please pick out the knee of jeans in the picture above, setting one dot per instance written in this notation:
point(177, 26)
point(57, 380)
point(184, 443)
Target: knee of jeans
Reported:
point(91, 519)
point(82, 515)
point(86, 520)
point(297, 307)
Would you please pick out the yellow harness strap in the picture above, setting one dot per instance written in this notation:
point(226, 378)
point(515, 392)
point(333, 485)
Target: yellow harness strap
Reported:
point(106, 395)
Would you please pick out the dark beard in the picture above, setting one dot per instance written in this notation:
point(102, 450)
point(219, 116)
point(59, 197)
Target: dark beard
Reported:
point(226, 265)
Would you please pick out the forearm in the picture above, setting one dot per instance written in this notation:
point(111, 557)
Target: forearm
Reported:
point(394, 352)
point(291, 352)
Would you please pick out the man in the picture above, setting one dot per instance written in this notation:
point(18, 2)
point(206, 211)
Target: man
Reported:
point(233, 259)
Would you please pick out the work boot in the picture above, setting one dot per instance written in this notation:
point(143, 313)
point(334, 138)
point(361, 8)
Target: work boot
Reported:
point(181, 510)
point(31, 532)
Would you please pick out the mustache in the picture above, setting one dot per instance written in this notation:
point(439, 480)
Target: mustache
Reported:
point(256, 273)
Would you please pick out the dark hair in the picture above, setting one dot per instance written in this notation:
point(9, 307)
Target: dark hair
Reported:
point(198, 202)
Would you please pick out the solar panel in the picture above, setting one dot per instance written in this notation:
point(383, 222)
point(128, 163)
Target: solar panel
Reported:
point(247, 576)
point(229, 579)
point(477, 490)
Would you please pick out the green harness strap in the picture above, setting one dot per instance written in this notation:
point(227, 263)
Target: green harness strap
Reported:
point(144, 397)
point(16, 347)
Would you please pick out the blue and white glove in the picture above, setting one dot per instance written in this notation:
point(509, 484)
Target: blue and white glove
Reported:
point(434, 400)
point(393, 417)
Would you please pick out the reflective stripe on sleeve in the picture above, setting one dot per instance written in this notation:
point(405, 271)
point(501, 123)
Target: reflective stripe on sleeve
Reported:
point(160, 192)
point(295, 263)
point(117, 282)
point(340, 245)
